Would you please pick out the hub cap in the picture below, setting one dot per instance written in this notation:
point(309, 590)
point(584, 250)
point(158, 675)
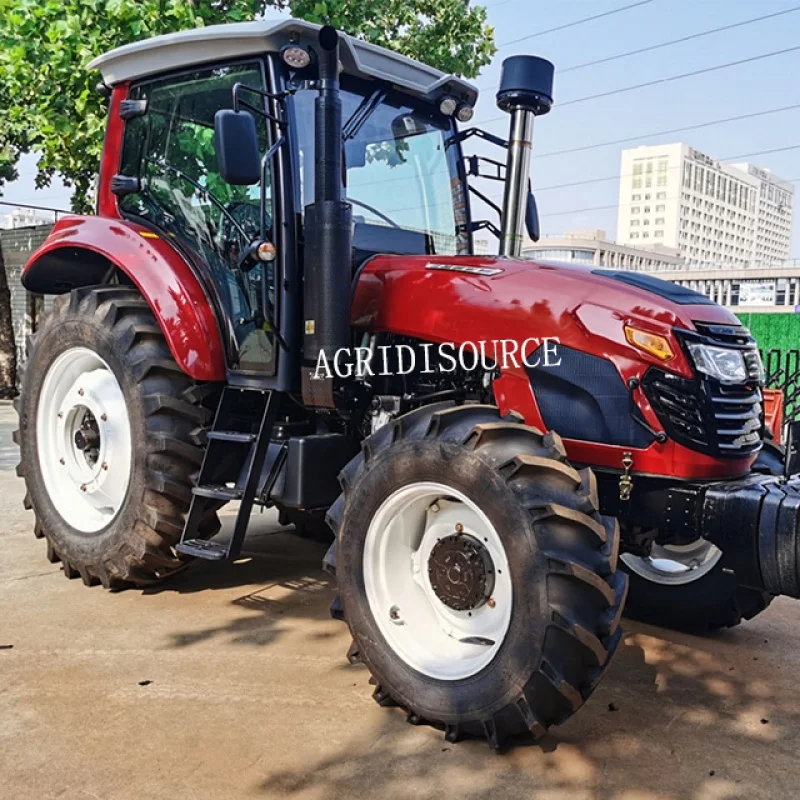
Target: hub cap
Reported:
point(673, 564)
point(437, 581)
point(83, 439)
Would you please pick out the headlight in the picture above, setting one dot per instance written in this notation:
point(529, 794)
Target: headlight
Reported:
point(723, 363)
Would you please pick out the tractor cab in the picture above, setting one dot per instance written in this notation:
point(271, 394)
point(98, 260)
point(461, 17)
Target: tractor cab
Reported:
point(221, 150)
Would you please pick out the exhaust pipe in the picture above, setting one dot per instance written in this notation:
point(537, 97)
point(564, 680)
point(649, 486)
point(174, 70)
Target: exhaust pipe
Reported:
point(526, 92)
point(328, 221)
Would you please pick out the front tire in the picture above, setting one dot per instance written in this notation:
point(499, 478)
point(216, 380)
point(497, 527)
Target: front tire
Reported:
point(109, 425)
point(516, 662)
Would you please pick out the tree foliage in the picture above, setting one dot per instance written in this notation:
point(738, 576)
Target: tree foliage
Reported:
point(48, 99)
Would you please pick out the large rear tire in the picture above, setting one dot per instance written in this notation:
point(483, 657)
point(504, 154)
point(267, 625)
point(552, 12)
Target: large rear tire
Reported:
point(477, 578)
point(108, 436)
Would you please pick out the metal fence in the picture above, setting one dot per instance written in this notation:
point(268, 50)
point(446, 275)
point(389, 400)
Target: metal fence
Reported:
point(782, 368)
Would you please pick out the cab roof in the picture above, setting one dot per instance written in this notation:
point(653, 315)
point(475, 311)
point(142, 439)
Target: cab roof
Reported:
point(188, 48)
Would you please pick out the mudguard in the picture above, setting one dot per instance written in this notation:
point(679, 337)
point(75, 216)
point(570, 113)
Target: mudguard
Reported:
point(80, 250)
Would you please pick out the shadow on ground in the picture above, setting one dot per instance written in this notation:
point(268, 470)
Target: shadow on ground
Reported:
point(677, 716)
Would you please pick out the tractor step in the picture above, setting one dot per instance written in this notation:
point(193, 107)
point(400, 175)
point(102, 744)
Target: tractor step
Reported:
point(230, 472)
point(218, 492)
point(233, 436)
point(201, 548)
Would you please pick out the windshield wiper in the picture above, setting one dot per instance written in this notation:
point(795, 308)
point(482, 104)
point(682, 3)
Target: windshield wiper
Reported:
point(355, 122)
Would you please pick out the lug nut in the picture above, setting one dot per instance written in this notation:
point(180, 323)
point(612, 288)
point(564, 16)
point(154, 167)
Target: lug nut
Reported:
point(394, 613)
point(61, 415)
point(83, 487)
point(104, 465)
point(104, 417)
point(435, 508)
point(80, 392)
point(459, 528)
point(491, 602)
point(61, 461)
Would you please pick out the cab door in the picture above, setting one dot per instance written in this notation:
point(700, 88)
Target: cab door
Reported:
point(169, 147)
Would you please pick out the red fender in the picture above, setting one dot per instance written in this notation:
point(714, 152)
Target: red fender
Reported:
point(78, 252)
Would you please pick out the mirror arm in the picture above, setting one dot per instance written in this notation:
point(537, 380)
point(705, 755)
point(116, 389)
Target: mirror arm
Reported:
point(462, 136)
point(484, 225)
point(485, 199)
point(268, 156)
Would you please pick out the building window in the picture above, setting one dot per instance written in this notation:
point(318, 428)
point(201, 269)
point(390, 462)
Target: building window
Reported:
point(636, 197)
point(634, 223)
point(659, 220)
point(645, 235)
point(635, 210)
point(660, 208)
point(647, 209)
point(658, 234)
point(661, 178)
point(634, 235)
point(661, 196)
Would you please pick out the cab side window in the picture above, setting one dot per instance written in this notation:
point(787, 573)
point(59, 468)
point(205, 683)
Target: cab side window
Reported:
point(170, 148)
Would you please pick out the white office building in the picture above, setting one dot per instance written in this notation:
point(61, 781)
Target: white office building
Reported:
point(712, 213)
point(25, 218)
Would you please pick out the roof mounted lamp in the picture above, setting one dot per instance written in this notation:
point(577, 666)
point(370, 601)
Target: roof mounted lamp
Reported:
point(526, 92)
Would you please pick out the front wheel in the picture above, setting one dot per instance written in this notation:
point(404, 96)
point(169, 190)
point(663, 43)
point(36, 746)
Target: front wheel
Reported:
point(686, 587)
point(476, 576)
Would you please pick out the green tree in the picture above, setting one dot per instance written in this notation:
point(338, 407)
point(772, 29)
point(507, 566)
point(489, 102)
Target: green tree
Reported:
point(48, 97)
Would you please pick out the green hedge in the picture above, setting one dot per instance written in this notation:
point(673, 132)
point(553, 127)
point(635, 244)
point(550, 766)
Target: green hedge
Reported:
point(774, 331)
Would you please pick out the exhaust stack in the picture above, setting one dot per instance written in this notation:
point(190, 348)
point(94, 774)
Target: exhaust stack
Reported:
point(328, 221)
point(526, 92)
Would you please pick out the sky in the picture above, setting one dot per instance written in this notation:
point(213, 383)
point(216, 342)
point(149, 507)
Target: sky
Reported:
point(747, 88)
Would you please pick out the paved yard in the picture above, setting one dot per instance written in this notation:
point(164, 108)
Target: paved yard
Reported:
point(231, 681)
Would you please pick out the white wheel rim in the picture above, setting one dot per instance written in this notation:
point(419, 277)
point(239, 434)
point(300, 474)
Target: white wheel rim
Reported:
point(427, 634)
point(87, 486)
point(675, 565)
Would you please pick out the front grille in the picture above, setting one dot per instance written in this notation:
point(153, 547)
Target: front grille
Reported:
point(721, 420)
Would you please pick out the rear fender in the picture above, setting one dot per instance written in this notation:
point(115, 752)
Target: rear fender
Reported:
point(79, 252)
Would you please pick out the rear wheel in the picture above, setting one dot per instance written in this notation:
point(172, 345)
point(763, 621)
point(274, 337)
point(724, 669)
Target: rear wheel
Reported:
point(108, 430)
point(476, 576)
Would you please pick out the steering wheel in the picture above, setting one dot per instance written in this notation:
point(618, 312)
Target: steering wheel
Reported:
point(374, 211)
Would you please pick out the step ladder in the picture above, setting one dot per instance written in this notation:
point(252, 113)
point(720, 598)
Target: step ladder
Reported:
point(232, 468)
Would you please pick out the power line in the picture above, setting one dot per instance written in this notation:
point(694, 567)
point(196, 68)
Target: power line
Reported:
point(668, 132)
point(575, 23)
point(618, 205)
point(668, 79)
point(681, 40)
point(616, 177)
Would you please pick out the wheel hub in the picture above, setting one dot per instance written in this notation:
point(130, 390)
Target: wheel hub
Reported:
point(87, 437)
point(84, 439)
point(461, 572)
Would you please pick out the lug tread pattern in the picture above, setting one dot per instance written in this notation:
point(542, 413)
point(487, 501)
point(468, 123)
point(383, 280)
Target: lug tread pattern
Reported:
point(146, 554)
point(578, 547)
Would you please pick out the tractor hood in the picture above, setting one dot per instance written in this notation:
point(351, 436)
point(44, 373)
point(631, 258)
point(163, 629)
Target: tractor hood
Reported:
point(465, 298)
point(596, 376)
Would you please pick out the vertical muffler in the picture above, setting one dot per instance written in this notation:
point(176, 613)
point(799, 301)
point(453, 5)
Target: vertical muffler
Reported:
point(526, 92)
point(328, 239)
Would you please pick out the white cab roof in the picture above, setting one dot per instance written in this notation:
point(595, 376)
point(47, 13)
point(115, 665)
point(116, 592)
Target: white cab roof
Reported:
point(188, 48)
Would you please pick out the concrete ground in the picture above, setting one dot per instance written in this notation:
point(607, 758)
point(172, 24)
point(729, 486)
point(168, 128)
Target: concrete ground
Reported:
point(230, 681)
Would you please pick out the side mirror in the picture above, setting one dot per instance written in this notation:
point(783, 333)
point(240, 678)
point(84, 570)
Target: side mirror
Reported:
point(532, 217)
point(236, 141)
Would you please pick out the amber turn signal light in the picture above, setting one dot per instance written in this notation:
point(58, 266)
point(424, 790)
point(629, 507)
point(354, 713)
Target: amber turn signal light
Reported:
point(657, 346)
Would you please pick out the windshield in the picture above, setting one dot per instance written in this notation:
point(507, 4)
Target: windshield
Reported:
point(400, 172)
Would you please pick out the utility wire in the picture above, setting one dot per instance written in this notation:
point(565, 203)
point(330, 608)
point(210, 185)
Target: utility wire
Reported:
point(574, 23)
point(681, 40)
point(668, 79)
point(617, 205)
point(671, 43)
point(668, 132)
point(616, 177)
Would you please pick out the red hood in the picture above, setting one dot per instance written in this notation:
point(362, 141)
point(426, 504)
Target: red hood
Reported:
point(426, 297)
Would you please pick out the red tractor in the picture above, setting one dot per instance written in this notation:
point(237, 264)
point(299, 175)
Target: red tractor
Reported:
point(278, 303)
